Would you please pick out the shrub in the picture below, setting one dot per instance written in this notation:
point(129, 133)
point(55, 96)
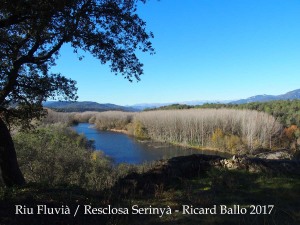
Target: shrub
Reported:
point(56, 155)
point(217, 139)
point(140, 131)
point(233, 143)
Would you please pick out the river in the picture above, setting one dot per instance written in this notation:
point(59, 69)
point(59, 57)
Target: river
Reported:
point(125, 149)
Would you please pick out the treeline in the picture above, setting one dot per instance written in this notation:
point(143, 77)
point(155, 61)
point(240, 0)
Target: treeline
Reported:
point(67, 118)
point(286, 111)
point(225, 129)
point(173, 106)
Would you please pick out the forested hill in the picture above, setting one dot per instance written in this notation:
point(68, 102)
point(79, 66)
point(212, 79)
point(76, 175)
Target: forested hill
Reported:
point(67, 106)
point(295, 94)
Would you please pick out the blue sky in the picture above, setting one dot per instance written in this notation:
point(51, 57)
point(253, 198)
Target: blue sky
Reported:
point(205, 50)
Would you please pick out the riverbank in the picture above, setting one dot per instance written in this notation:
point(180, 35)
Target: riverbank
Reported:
point(123, 148)
point(201, 150)
point(259, 153)
point(120, 131)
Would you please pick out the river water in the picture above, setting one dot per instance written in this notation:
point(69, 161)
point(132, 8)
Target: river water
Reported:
point(125, 149)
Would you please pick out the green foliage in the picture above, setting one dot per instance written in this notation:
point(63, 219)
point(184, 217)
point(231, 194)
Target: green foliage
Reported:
point(99, 175)
point(56, 155)
point(169, 107)
point(32, 33)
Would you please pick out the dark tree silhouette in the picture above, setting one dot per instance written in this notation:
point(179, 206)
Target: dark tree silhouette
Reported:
point(31, 34)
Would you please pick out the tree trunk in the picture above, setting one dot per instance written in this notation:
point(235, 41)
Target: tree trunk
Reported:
point(11, 173)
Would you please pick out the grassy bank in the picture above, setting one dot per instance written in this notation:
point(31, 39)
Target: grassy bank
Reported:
point(213, 188)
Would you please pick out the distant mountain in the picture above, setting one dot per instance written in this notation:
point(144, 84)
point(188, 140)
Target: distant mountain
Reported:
point(143, 106)
point(201, 102)
point(67, 106)
point(265, 98)
point(291, 94)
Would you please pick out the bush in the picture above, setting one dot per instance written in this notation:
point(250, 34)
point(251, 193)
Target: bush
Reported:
point(56, 155)
point(140, 132)
point(217, 139)
point(233, 143)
